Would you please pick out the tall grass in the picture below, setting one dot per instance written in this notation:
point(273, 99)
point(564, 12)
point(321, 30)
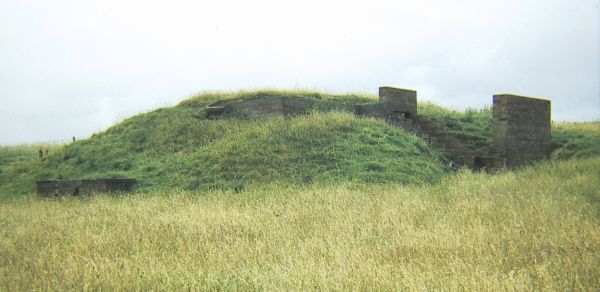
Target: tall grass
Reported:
point(537, 229)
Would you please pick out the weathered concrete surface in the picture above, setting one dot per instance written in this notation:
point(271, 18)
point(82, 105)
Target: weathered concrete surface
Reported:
point(55, 188)
point(521, 130)
point(214, 111)
point(262, 105)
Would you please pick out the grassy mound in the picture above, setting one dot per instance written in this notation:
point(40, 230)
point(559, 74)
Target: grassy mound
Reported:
point(177, 148)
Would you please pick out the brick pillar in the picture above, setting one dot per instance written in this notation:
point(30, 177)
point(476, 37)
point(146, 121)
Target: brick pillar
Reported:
point(521, 130)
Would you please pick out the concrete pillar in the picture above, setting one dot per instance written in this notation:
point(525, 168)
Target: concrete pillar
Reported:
point(521, 129)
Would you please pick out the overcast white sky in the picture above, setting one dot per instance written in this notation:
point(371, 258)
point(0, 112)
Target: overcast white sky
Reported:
point(72, 68)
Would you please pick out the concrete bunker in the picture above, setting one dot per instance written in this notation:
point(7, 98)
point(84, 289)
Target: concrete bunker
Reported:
point(521, 132)
point(59, 188)
point(520, 127)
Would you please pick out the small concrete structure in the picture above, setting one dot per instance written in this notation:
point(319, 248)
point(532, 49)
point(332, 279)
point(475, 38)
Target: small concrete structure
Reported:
point(521, 130)
point(399, 100)
point(56, 188)
point(214, 111)
point(262, 105)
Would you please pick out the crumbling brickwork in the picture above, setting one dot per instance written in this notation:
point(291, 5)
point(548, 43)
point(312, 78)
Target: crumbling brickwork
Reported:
point(55, 188)
point(521, 130)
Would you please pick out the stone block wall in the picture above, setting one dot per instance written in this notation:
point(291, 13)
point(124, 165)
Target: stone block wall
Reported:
point(393, 102)
point(55, 188)
point(399, 100)
point(376, 110)
point(521, 130)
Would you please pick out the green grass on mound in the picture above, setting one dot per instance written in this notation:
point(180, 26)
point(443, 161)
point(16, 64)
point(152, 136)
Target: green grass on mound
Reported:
point(576, 140)
point(473, 127)
point(172, 149)
point(177, 147)
point(19, 165)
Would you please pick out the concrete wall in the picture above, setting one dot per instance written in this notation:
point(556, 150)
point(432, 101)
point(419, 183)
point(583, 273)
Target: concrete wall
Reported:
point(55, 188)
point(369, 110)
point(521, 130)
point(393, 102)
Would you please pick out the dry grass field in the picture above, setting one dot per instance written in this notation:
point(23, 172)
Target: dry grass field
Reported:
point(323, 201)
point(534, 229)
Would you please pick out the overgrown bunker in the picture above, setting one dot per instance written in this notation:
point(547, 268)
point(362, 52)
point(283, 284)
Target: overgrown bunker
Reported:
point(58, 188)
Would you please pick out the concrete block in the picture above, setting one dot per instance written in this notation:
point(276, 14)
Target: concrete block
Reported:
point(56, 188)
point(399, 100)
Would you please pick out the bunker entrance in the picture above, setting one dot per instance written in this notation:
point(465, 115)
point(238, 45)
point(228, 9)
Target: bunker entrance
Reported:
point(405, 115)
point(484, 162)
point(478, 163)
